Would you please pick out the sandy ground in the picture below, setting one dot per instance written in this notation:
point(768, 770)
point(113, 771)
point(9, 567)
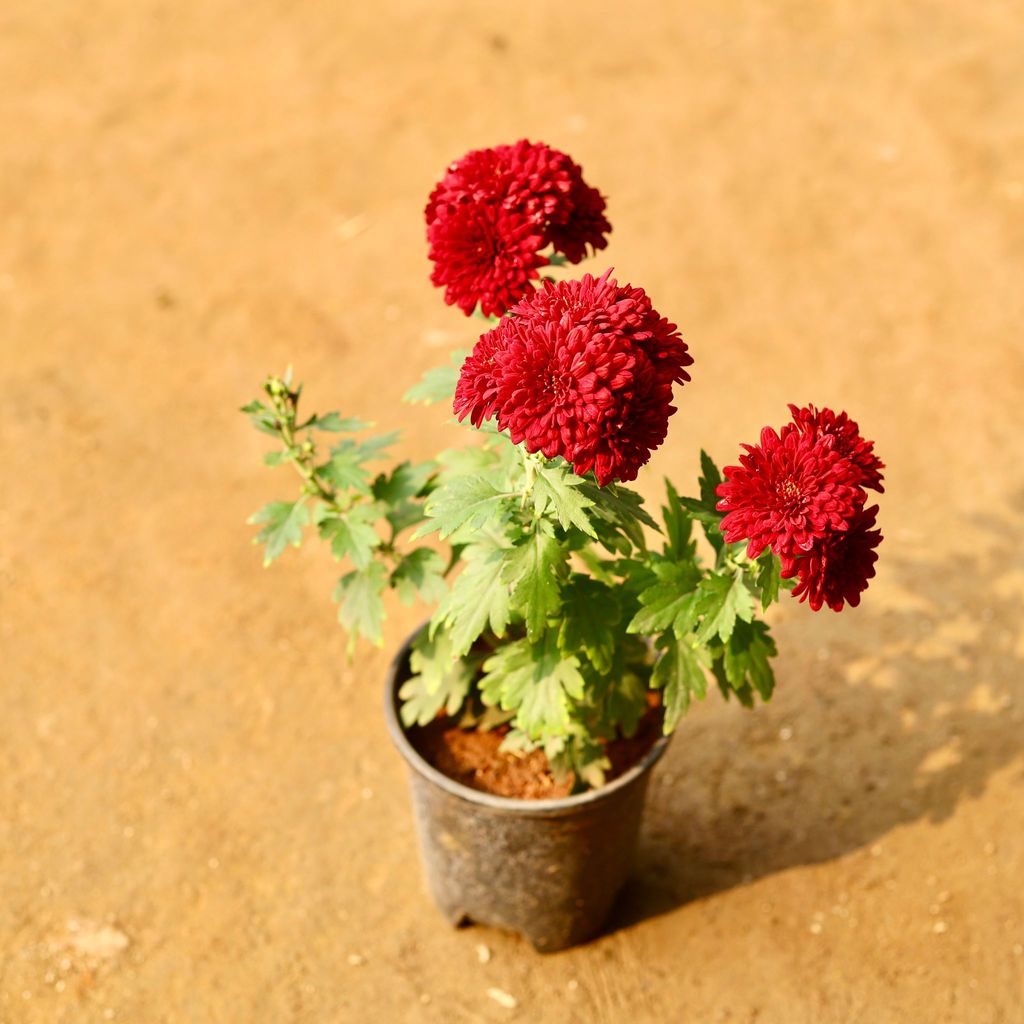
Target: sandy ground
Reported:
point(201, 818)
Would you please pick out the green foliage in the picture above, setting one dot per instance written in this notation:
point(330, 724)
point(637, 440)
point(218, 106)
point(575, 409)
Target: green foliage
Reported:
point(441, 680)
point(420, 574)
point(679, 672)
point(284, 522)
point(554, 615)
point(437, 385)
point(533, 570)
point(360, 597)
point(478, 600)
point(537, 681)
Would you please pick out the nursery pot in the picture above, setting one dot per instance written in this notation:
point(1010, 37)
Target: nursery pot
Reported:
point(547, 869)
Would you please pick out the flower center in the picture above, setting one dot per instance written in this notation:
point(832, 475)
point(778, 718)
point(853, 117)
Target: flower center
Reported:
point(789, 489)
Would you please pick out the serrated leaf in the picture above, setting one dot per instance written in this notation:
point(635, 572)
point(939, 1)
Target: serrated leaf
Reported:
point(721, 600)
point(420, 573)
point(680, 674)
point(334, 423)
point(537, 682)
point(532, 570)
point(284, 522)
point(351, 535)
point(590, 615)
point(678, 526)
point(769, 577)
point(479, 598)
point(262, 417)
point(344, 470)
point(360, 601)
point(671, 602)
point(437, 385)
point(709, 480)
point(557, 487)
point(746, 659)
point(466, 502)
point(621, 508)
point(441, 680)
point(404, 481)
point(279, 458)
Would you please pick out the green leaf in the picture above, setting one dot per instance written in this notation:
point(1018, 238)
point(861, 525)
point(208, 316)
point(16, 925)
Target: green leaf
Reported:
point(671, 602)
point(279, 458)
point(360, 601)
point(532, 570)
point(344, 470)
point(478, 598)
point(420, 573)
point(710, 479)
point(437, 385)
point(746, 660)
point(441, 680)
point(590, 615)
point(373, 447)
point(334, 423)
point(284, 522)
point(678, 527)
point(557, 487)
point(721, 600)
point(261, 417)
point(351, 535)
point(621, 508)
point(404, 481)
point(466, 502)
point(769, 577)
point(680, 673)
point(535, 681)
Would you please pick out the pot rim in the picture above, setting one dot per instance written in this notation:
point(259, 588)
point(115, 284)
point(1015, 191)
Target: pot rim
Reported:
point(515, 805)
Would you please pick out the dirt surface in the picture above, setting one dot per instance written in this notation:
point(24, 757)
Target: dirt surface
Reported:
point(201, 818)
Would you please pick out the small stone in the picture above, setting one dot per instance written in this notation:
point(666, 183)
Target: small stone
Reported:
point(989, 849)
point(815, 928)
point(59, 987)
point(213, 863)
point(781, 776)
point(425, 998)
point(943, 896)
point(1018, 949)
point(483, 954)
point(574, 984)
point(355, 960)
point(366, 793)
point(876, 850)
point(785, 733)
point(940, 927)
point(108, 1014)
point(502, 998)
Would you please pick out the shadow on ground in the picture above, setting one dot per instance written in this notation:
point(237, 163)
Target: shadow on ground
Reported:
point(886, 718)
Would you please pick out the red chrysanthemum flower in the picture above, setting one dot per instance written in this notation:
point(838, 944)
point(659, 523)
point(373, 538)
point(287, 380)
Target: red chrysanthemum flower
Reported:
point(534, 193)
point(586, 224)
point(582, 370)
point(848, 442)
point(838, 567)
point(484, 255)
point(787, 494)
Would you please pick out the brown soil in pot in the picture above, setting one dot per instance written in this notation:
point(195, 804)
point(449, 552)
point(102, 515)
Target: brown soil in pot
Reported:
point(472, 757)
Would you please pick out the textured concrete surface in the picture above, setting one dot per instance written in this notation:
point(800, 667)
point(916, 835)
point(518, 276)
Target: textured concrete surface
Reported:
point(200, 816)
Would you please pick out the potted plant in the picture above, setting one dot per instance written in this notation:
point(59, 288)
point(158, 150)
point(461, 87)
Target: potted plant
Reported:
point(571, 628)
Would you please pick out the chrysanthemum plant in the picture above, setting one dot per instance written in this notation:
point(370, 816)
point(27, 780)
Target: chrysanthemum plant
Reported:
point(561, 602)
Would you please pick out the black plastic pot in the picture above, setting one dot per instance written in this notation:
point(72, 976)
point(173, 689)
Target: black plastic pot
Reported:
point(547, 869)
